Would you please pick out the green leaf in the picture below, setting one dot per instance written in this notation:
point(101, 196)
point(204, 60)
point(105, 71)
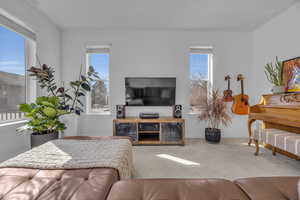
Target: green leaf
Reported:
point(40, 99)
point(54, 100)
point(274, 72)
point(25, 108)
point(68, 96)
point(81, 94)
point(49, 112)
point(79, 102)
point(54, 87)
point(30, 115)
point(62, 112)
point(83, 78)
point(86, 87)
point(91, 69)
point(80, 109)
point(48, 104)
point(75, 83)
point(96, 76)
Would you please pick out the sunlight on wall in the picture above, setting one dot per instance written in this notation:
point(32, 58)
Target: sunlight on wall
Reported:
point(176, 159)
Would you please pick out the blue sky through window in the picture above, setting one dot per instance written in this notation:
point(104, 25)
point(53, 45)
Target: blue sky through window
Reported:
point(12, 52)
point(100, 62)
point(199, 65)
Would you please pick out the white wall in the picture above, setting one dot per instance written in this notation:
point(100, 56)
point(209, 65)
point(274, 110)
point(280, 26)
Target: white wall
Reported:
point(12, 143)
point(158, 53)
point(48, 49)
point(279, 37)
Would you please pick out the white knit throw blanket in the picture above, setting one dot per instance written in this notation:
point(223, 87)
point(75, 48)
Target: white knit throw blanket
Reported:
point(77, 154)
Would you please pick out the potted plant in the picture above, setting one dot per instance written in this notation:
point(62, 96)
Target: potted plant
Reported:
point(214, 111)
point(274, 76)
point(44, 115)
point(44, 120)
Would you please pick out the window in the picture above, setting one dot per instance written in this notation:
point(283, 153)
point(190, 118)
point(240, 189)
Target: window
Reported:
point(14, 57)
point(98, 57)
point(200, 60)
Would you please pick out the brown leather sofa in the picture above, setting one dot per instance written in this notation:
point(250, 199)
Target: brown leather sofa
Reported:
point(34, 184)
point(270, 188)
point(103, 183)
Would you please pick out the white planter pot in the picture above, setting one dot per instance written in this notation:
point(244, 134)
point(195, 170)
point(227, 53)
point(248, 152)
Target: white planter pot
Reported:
point(71, 122)
point(278, 89)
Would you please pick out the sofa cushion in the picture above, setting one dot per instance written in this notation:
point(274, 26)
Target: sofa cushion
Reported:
point(273, 188)
point(299, 189)
point(176, 189)
point(34, 184)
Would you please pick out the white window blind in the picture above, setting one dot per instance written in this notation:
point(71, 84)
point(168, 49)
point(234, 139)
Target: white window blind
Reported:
point(201, 49)
point(10, 24)
point(98, 49)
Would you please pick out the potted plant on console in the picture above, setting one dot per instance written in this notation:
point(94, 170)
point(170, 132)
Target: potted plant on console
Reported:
point(214, 111)
point(44, 115)
point(274, 76)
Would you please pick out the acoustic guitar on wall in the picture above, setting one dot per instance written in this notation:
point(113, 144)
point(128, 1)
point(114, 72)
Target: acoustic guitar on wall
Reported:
point(240, 104)
point(227, 94)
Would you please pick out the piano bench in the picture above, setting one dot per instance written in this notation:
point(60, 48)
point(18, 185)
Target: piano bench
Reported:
point(278, 140)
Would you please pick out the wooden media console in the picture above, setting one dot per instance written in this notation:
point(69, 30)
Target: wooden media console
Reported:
point(161, 131)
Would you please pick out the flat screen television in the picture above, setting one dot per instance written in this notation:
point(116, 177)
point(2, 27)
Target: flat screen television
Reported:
point(150, 91)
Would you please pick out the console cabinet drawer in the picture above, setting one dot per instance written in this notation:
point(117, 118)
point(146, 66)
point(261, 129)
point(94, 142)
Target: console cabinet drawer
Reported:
point(171, 132)
point(126, 129)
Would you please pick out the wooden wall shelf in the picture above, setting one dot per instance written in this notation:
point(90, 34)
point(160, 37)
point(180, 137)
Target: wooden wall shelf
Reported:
point(161, 131)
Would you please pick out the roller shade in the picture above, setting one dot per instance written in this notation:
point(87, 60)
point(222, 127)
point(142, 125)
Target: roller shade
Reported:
point(201, 49)
point(10, 24)
point(98, 49)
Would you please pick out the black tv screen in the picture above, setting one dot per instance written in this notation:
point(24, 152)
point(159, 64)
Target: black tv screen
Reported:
point(150, 91)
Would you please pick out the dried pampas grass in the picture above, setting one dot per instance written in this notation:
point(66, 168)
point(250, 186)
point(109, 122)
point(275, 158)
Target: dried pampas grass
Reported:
point(215, 111)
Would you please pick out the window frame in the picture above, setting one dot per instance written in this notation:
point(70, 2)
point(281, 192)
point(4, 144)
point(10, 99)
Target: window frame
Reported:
point(97, 50)
point(30, 60)
point(202, 50)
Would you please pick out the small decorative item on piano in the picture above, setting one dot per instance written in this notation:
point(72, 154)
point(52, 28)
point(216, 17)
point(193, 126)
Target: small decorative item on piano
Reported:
point(227, 94)
point(291, 75)
point(274, 76)
point(240, 104)
point(215, 113)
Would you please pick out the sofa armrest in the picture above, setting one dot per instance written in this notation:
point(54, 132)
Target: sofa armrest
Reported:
point(273, 188)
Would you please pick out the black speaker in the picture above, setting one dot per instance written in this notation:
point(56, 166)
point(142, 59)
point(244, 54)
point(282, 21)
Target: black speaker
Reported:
point(177, 111)
point(120, 111)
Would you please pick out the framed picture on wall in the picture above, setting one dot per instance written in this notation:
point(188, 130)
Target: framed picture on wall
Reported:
point(291, 75)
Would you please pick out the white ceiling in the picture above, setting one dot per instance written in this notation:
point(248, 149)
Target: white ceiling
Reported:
point(161, 14)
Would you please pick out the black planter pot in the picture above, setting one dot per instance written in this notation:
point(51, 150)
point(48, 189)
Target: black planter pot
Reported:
point(36, 139)
point(213, 135)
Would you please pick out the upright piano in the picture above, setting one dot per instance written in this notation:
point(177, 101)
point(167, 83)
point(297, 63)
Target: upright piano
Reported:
point(279, 111)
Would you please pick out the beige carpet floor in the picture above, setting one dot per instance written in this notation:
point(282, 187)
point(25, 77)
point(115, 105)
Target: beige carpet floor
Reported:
point(230, 159)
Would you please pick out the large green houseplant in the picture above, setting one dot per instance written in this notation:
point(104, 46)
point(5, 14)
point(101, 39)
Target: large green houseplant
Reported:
point(274, 75)
point(44, 115)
